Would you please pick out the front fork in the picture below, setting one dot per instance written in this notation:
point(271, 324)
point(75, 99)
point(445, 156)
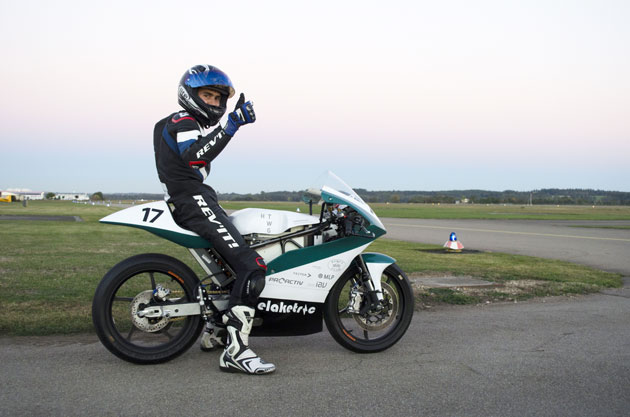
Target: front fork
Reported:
point(371, 280)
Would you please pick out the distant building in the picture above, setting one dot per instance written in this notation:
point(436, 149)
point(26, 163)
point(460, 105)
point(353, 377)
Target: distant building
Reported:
point(23, 194)
point(72, 196)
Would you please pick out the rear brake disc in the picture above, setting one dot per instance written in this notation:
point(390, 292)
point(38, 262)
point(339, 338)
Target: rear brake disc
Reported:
point(146, 324)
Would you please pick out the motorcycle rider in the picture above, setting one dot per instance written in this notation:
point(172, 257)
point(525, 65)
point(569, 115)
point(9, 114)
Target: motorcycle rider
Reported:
point(184, 148)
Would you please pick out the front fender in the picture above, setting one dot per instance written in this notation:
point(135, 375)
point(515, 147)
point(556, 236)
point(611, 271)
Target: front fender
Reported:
point(376, 264)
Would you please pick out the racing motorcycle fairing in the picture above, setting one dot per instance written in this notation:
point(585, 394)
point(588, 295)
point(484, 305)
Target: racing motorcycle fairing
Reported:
point(269, 222)
point(309, 273)
point(293, 315)
point(156, 217)
point(287, 317)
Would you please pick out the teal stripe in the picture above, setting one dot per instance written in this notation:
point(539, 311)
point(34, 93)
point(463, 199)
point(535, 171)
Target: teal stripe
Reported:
point(315, 253)
point(377, 258)
point(185, 240)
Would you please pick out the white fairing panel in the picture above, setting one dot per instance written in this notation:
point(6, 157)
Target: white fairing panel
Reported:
point(270, 222)
point(309, 282)
point(376, 270)
point(155, 215)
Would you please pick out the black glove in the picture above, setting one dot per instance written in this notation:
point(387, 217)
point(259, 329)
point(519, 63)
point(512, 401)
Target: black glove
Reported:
point(243, 114)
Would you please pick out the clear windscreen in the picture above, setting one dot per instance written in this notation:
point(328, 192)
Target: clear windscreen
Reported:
point(331, 183)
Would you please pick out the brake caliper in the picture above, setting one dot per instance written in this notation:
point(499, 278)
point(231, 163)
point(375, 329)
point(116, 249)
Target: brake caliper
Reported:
point(355, 300)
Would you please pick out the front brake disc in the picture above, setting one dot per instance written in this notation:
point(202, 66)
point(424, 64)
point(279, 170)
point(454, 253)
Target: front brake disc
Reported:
point(378, 320)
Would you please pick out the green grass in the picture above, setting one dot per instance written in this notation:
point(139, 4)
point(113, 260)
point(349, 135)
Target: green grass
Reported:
point(420, 211)
point(491, 266)
point(446, 296)
point(523, 277)
point(50, 269)
point(467, 211)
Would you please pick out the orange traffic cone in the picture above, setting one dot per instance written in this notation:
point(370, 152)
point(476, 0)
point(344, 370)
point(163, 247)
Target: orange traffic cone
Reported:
point(452, 244)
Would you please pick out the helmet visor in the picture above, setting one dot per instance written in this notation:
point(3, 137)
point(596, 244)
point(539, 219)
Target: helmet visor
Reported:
point(210, 77)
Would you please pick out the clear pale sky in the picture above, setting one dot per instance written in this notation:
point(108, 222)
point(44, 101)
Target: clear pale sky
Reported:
point(406, 95)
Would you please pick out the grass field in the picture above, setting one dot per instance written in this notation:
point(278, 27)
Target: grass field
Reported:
point(468, 211)
point(50, 269)
point(403, 210)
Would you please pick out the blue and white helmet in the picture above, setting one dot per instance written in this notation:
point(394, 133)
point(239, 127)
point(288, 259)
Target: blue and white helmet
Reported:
point(204, 76)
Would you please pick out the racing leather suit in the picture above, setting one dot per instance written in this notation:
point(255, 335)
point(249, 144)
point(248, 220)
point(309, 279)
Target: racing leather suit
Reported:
point(182, 156)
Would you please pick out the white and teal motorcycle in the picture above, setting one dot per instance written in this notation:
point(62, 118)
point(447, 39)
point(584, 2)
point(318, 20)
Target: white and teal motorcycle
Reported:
point(151, 308)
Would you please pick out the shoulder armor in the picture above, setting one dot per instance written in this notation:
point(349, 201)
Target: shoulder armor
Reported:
point(181, 116)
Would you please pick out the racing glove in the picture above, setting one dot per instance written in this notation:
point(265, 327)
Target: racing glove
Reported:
point(243, 114)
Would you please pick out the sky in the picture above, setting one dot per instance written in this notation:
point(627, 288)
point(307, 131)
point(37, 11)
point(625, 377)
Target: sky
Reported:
point(398, 95)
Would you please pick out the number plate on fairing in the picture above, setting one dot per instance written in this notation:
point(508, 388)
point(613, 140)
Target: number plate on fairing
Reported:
point(156, 218)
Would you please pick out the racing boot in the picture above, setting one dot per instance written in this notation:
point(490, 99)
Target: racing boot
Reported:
point(237, 356)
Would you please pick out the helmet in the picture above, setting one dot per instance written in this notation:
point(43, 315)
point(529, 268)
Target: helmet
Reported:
point(204, 76)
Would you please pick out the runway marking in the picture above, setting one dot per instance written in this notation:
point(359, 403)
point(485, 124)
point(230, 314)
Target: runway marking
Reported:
point(509, 232)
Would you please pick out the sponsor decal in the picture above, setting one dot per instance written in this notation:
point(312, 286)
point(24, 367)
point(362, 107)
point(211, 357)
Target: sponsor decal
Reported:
point(326, 276)
point(320, 284)
point(281, 307)
point(210, 144)
point(266, 218)
point(212, 218)
point(285, 281)
point(336, 264)
point(302, 274)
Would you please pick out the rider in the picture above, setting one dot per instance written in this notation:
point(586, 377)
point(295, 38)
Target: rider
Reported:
point(184, 147)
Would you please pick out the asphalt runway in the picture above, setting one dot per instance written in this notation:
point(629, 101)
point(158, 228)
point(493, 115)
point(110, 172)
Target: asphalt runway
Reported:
point(551, 357)
point(545, 357)
point(593, 243)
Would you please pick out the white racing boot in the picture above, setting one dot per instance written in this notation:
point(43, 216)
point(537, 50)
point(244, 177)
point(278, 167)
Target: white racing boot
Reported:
point(237, 356)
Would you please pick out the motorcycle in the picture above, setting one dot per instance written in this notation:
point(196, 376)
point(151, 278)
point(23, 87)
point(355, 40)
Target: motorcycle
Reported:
point(150, 308)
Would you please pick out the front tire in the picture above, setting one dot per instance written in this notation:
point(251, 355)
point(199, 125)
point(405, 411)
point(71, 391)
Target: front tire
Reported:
point(372, 331)
point(128, 287)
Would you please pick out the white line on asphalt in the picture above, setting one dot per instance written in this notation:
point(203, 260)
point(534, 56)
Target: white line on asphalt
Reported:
point(508, 232)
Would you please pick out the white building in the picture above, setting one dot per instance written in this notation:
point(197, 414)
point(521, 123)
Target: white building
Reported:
point(72, 196)
point(23, 194)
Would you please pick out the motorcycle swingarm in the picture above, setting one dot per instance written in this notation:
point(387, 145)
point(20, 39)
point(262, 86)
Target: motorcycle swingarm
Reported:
point(170, 310)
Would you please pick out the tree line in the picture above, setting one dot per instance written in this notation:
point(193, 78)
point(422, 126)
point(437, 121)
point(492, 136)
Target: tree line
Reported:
point(542, 196)
point(563, 196)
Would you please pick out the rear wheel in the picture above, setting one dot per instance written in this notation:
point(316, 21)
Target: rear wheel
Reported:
point(375, 329)
point(128, 288)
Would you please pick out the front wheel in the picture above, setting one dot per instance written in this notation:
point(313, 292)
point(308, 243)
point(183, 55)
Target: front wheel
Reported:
point(129, 287)
point(375, 329)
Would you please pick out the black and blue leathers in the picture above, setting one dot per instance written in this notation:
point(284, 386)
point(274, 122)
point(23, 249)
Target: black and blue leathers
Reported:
point(183, 154)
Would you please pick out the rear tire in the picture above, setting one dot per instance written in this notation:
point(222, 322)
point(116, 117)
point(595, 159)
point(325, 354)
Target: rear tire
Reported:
point(129, 285)
point(373, 331)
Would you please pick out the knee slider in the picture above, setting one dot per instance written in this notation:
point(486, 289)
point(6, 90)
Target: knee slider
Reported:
point(255, 287)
